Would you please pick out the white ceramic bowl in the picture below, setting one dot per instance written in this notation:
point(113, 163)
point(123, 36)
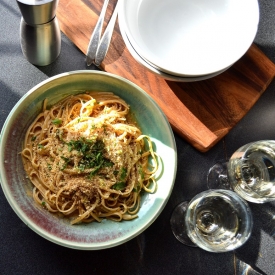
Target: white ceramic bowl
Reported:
point(17, 187)
point(158, 72)
point(190, 38)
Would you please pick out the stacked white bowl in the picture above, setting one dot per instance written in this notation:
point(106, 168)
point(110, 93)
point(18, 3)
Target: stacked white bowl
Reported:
point(188, 40)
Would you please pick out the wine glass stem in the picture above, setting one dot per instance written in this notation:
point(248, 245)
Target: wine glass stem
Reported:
point(217, 177)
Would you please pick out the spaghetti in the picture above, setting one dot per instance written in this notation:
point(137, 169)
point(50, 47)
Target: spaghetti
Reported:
point(88, 160)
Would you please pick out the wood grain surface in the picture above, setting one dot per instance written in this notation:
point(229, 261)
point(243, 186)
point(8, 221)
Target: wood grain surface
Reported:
point(201, 112)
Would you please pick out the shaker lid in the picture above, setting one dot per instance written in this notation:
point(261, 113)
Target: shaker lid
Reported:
point(34, 2)
point(36, 12)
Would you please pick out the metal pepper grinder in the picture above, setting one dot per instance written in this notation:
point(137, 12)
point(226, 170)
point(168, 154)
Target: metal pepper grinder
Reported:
point(39, 31)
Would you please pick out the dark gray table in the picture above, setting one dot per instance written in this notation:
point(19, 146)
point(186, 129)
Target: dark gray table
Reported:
point(155, 251)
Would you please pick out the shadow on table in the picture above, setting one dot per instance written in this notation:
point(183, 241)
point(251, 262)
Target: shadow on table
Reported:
point(192, 180)
point(76, 61)
point(264, 220)
point(244, 268)
point(9, 99)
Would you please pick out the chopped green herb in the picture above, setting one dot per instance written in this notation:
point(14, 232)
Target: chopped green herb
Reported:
point(116, 172)
point(40, 146)
point(94, 172)
point(119, 186)
point(70, 147)
point(123, 173)
point(108, 163)
point(137, 189)
point(140, 171)
point(33, 138)
point(43, 203)
point(81, 167)
point(59, 134)
point(66, 161)
point(57, 121)
point(92, 154)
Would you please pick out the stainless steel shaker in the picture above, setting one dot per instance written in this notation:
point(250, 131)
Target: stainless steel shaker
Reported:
point(40, 35)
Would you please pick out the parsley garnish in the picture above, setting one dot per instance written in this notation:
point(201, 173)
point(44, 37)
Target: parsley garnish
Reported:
point(66, 161)
point(59, 134)
point(94, 172)
point(123, 173)
point(116, 172)
point(92, 154)
point(136, 189)
point(119, 186)
point(57, 121)
point(140, 171)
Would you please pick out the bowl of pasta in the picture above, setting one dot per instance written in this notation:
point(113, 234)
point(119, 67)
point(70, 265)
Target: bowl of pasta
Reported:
point(88, 160)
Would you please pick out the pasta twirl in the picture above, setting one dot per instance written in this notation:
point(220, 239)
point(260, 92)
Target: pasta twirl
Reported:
point(88, 160)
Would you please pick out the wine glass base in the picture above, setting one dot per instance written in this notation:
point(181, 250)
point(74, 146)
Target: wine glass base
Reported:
point(217, 177)
point(178, 227)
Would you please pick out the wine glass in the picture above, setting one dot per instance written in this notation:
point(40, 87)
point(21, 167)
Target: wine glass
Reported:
point(250, 172)
point(214, 220)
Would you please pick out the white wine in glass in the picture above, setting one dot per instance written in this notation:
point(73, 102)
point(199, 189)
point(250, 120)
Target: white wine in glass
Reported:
point(214, 220)
point(250, 172)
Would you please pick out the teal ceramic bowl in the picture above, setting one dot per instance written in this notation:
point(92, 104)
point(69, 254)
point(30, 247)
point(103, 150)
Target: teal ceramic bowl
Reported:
point(17, 187)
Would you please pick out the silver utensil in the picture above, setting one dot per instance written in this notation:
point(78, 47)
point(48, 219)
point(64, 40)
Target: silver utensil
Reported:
point(106, 39)
point(97, 48)
point(94, 41)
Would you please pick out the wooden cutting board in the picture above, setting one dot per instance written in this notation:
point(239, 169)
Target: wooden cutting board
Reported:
point(201, 112)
